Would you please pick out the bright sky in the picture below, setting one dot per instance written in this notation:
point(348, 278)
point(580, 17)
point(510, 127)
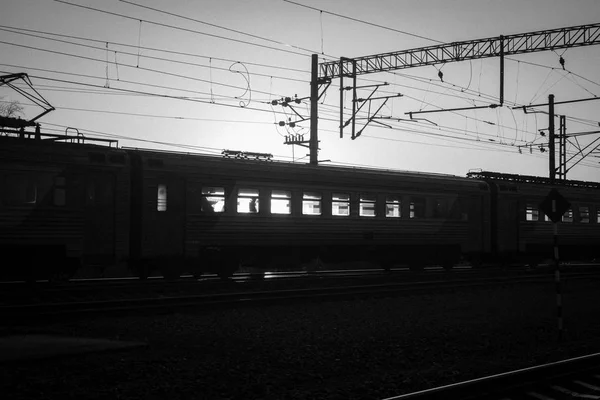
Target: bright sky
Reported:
point(212, 85)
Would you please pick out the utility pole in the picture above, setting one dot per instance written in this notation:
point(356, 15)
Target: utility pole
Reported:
point(552, 164)
point(314, 110)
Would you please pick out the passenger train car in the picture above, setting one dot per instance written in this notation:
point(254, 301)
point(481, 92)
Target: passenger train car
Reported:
point(74, 207)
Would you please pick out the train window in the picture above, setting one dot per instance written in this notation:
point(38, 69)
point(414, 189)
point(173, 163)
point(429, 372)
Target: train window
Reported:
point(20, 189)
point(340, 204)
point(440, 208)
point(161, 198)
point(281, 202)
point(213, 199)
point(417, 207)
point(598, 213)
point(367, 205)
point(531, 212)
point(247, 202)
point(392, 207)
point(60, 198)
point(584, 214)
point(311, 203)
point(568, 216)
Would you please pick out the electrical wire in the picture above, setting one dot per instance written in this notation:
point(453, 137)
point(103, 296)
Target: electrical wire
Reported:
point(109, 92)
point(169, 60)
point(181, 29)
point(8, 28)
point(130, 66)
point(150, 94)
point(217, 26)
point(362, 21)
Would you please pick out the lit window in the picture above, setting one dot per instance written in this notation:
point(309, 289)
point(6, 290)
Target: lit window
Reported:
point(584, 214)
point(311, 203)
point(340, 204)
point(161, 199)
point(598, 214)
point(568, 216)
point(392, 207)
point(281, 202)
point(247, 202)
point(531, 212)
point(213, 199)
point(417, 207)
point(367, 205)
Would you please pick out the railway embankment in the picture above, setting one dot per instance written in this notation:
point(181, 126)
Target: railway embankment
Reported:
point(350, 349)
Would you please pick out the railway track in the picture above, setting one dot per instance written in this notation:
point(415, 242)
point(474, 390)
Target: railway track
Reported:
point(13, 294)
point(160, 302)
point(575, 378)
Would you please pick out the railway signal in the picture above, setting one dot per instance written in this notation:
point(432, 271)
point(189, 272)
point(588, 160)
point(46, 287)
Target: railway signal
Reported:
point(554, 205)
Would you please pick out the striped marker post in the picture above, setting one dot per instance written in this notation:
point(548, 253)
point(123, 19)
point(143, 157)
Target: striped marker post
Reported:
point(554, 206)
point(559, 315)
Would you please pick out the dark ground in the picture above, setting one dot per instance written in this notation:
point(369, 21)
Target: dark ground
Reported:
point(361, 349)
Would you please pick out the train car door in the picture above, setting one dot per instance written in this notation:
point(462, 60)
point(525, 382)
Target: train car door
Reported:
point(164, 228)
point(99, 219)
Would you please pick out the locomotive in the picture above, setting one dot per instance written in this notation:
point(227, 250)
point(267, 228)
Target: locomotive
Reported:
point(74, 206)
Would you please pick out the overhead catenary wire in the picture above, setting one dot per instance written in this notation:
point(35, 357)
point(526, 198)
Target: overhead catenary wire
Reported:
point(217, 26)
point(181, 28)
point(130, 66)
point(157, 49)
point(107, 91)
point(151, 94)
point(362, 21)
point(169, 60)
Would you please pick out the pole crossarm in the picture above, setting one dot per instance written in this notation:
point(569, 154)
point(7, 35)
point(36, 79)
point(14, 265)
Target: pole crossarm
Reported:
point(584, 35)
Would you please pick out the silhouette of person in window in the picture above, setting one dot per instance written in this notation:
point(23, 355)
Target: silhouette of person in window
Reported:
point(253, 205)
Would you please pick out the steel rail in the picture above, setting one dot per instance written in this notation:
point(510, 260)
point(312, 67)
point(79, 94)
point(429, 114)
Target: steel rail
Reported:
point(495, 386)
point(87, 308)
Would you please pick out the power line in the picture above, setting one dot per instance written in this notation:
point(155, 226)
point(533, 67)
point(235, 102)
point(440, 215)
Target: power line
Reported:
point(217, 26)
point(155, 49)
point(130, 66)
point(149, 57)
point(149, 115)
point(180, 28)
point(150, 94)
point(103, 78)
point(362, 21)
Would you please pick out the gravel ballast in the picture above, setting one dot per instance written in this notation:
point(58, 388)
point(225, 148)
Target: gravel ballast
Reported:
point(351, 349)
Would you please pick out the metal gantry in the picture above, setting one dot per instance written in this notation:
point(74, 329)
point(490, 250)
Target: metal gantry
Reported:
point(530, 42)
point(500, 46)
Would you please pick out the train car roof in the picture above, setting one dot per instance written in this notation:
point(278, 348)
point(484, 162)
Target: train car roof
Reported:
point(332, 167)
point(530, 179)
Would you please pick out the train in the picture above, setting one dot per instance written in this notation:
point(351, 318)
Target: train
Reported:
point(73, 206)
